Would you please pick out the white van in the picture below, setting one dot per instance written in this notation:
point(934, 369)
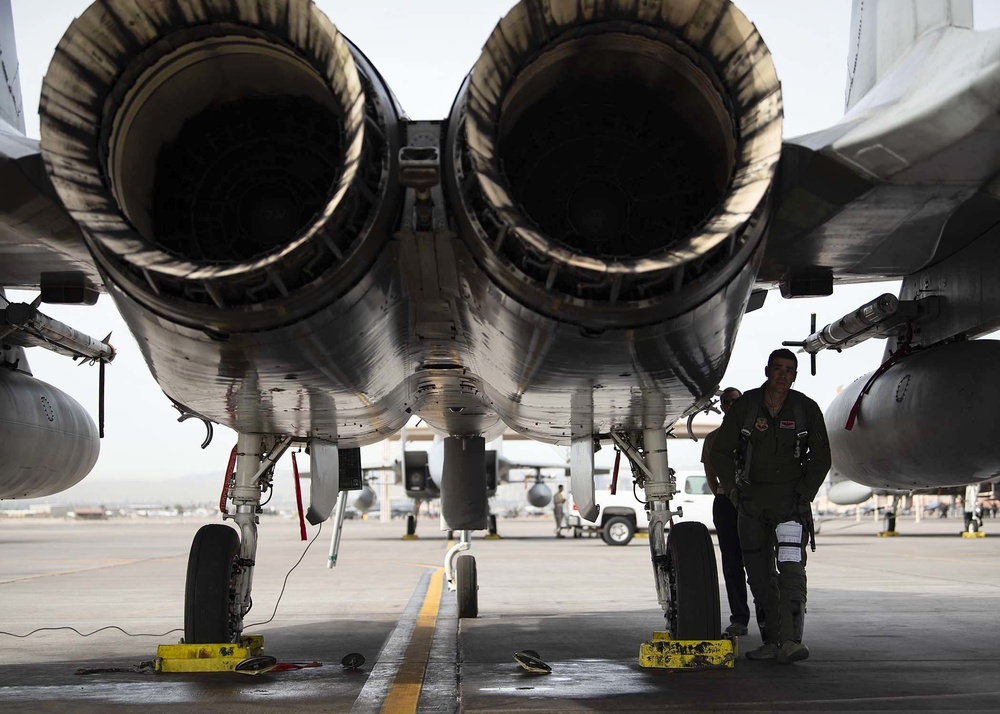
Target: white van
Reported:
point(623, 515)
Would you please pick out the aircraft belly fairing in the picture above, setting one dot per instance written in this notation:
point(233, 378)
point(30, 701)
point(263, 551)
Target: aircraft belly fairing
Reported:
point(619, 370)
point(340, 373)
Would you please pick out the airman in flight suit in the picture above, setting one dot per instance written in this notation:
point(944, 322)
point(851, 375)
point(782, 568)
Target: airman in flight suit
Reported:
point(772, 466)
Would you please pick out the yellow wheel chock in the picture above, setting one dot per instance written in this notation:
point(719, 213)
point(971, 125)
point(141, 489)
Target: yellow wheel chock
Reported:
point(207, 657)
point(663, 652)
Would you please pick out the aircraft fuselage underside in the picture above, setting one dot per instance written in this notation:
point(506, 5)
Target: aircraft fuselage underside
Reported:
point(427, 333)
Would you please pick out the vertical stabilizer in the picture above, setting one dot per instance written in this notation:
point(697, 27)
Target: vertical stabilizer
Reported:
point(882, 32)
point(11, 106)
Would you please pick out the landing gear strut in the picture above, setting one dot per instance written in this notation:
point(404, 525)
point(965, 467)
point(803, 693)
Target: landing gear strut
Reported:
point(687, 582)
point(220, 566)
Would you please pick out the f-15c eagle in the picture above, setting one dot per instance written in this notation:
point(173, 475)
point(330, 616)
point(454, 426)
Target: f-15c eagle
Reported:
point(568, 253)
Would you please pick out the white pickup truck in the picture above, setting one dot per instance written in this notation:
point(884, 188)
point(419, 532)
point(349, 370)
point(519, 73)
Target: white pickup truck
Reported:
point(622, 515)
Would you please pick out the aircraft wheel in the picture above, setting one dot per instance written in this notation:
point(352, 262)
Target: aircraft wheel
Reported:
point(618, 530)
point(467, 586)
point(411, 524)
point(694, 582)
point(208, 591)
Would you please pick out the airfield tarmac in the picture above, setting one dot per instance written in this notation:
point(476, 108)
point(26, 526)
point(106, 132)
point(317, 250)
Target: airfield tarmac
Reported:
point(903, 624)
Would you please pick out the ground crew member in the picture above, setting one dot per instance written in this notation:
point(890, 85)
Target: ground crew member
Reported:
point(725, 519)
point(771, 455)
point(558, 505)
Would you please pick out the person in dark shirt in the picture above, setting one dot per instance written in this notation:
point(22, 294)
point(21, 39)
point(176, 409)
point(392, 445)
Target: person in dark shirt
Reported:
point(725, 518)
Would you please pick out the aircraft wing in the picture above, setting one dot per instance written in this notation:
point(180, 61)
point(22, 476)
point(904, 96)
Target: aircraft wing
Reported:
point(37, 236)
point(905, 180)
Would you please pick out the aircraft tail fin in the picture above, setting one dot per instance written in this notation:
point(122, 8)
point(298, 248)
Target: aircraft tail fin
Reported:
point(882, 32)
point(11, 106)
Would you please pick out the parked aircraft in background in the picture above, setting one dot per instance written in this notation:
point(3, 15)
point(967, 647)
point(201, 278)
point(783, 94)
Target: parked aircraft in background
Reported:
point(423, 469)
point(568, 254)
point(844, 492)
point(421, 486)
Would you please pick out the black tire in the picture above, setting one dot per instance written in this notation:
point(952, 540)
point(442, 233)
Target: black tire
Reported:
point(411, 524)
point(209, 589)
point(618, 530)
point(466, 586)
point(694, 582)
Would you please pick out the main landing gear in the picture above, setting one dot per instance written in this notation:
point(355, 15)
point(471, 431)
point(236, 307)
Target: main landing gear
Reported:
point(220, 566)
point(889, 517)
point(687, 582)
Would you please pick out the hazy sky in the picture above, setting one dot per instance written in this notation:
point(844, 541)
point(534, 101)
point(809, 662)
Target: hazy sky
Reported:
point(424, 49)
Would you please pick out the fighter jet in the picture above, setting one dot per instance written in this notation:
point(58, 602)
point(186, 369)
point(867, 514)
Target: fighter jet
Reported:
point(569, 253)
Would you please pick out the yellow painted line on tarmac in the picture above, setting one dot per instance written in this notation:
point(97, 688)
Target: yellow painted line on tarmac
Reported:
point(404, 693)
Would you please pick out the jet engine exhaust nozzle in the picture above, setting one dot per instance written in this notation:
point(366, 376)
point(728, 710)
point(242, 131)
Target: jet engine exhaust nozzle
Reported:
point(615, 156)
point(225, 155)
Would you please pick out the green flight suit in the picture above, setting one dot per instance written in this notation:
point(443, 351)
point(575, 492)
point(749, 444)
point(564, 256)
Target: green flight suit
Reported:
point(776, 499)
